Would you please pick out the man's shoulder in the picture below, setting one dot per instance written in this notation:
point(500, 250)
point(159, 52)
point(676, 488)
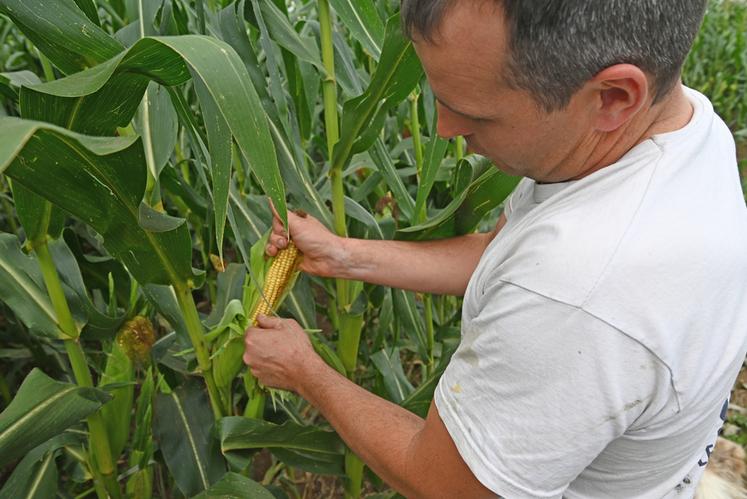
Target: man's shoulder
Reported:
point(658, 250)
point(660, 209)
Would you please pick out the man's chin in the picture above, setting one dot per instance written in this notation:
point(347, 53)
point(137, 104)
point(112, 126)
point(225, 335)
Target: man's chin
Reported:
point(503, 167)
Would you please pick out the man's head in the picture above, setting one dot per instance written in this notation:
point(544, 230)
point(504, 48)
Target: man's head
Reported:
point(509, 72)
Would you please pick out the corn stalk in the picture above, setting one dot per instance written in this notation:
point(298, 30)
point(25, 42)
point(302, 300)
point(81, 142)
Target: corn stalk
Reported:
point(349, 325)
point(101, 459)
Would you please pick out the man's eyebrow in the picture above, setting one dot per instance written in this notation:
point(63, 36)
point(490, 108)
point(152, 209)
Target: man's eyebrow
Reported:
point(456, 111)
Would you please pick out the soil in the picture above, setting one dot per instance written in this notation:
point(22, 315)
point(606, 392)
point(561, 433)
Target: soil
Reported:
point(739, 393)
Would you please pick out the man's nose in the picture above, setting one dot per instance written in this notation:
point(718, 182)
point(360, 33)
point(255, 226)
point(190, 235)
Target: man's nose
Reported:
point(451, 124)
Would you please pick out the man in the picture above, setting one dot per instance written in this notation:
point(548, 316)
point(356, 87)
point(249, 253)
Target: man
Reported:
point(604, 318)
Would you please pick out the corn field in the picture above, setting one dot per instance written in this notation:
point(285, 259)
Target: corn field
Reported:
point(141, 142)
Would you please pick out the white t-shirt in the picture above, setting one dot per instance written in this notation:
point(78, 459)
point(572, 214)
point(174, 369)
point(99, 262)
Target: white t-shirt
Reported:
point(605, 325)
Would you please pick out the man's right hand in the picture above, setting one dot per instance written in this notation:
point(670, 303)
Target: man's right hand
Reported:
point(323, 251)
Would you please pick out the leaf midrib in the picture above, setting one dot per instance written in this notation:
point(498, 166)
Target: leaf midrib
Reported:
point(40, 475)
point(4, 436)
point(192, 443)
point(363, 25)
point(31, 291)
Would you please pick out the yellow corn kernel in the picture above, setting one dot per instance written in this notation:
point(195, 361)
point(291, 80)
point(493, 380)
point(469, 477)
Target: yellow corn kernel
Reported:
point(277, 278)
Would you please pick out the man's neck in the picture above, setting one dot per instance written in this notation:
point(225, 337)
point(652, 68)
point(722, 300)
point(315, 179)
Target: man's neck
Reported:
point(673, 113)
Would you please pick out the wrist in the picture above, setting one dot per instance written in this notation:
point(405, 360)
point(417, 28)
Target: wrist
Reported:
point(310, 376)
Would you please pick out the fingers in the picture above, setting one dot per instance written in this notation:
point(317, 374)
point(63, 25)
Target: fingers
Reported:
point(269, 322)
point(278, 240)
point(277, 226)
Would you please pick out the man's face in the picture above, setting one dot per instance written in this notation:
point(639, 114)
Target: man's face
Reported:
point(465, 66)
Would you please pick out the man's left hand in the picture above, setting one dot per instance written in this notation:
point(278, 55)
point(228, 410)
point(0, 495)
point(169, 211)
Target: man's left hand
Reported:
point(276, 351)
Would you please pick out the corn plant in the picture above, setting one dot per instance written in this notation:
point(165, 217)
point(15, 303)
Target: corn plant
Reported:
point(141, 141)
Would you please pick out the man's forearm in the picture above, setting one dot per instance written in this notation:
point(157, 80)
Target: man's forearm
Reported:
point(439, 267)
point(377, 430)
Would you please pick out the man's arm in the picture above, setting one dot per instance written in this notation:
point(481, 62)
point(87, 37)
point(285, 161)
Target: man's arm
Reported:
point(414, 456)
point(440, 267)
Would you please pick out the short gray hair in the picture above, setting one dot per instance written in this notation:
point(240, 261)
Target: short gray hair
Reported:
point(555, 46)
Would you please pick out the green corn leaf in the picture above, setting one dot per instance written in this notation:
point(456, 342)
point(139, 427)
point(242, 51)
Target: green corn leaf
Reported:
point(164, 299)
point(41, 409)
point(95, 270)
point(352, 82)
point(231, 28)
point(434, 154)
point(328, 354)
point(419, 400)
point(240, 434)
point(62, 32)
point(283, 34)
point(297, 180)
point(39, 218)
point(22, 289)
point(221, 157)
point(358, 212)
point(388, 363)
point(156, 122)
point(364, 23)
point(410, 319)
point(10, 83)
point(383, 160)
point(102, 98)
point(230, 284)
point(97, 323)
point(86, 177)
point(398, 72)
point(181, 425)
point(35, 477)
point(462, 215)
point(273, 56)
point(142, 440)
point(312, 462)
point(89, 9)
point(235, 486)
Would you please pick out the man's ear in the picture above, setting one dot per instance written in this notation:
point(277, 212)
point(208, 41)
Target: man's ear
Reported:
point(619, 91)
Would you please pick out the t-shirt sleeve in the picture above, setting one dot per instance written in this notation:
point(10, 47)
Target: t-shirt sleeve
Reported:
point(537, 389)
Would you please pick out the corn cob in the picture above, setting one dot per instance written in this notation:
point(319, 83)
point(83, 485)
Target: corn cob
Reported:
point(277, 279)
